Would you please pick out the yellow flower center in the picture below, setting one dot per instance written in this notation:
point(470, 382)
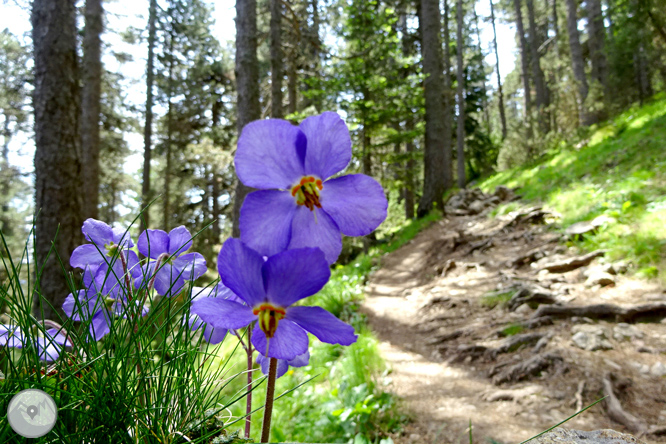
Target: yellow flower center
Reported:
point(307, 191)
point(269, 316)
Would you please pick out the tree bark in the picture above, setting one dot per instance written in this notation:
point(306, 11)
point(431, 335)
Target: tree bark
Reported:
point(58, 187)
point(499, 78)
point(276, 59)
point(148, 126)
point(542, 99)
point(484, 89)
point(596, 34)
point(460, 135)
point(437, 159)
point(577, 61)
point(524, 61)
point(410, 164)
point(90, 105)
point(247, 83)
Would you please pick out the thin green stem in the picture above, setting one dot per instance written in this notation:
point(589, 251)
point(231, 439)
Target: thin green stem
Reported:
point(268, 407)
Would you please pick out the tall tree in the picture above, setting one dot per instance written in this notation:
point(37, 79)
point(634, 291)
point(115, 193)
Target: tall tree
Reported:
point(247, 79)
point(524, 60)
point(460, 134)
point(91, 91)
point(577, 63)
point(148, 126)
point(542, 100)
point(437, 156)
point(58, 189)
point(499, 78)
point(276, 59)
point(596, 41)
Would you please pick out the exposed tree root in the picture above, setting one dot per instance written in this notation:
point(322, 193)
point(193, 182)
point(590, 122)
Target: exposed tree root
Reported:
point(644, 312)
point(573, 263)
point(617, 413)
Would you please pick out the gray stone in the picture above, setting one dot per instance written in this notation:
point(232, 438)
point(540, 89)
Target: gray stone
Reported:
point(590, 337)
point(605, 436)
point(599, 277)
point(658, 369)
point(626, 332)
point(524, 309)
point(476, 207)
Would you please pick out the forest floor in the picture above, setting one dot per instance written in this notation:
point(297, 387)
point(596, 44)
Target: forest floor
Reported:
point(488, 320)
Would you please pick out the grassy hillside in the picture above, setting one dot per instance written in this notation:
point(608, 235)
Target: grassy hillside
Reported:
point(618, 171)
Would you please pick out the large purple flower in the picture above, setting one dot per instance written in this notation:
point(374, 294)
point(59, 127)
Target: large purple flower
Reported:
point(297, 204)
point(49, 346)
point(269, 288)
point(175, 266)
point(211, 334)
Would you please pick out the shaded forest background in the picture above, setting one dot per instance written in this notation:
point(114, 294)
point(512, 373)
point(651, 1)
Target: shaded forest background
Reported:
point(426, 112)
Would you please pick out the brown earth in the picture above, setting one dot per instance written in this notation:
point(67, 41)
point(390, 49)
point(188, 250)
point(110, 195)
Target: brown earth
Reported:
point(428, 304)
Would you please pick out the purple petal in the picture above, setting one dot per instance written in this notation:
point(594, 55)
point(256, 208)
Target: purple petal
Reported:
point(322, 232)
point(218, 291)
point(329, 144)
point(97, 232)
point(169, 280)
point(192, 265)
point(240, 270)
point(58, 336)
point(83, 307)
point(322, 324)
point(48, 349)
point(300, 360)
point(265, 220)
point(295, 274)
point(11, 336)
point(121, 236)
point(223, 314)
point(356, 203)
point(264, 363)
point(85, 255)
point(99, 327)
point(289, 341)
point(152, 243)
point(180, 240)
point(214, 335)
point(268, 154)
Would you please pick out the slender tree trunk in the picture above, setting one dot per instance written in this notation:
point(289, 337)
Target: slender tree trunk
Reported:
point(460, 135)
point(276, 59)
point(542, 99)
point(58, 186)
point(499, 78)
point(7, 177)
point(292, 79)
point(524, 60)
point(247, 79)
point(148, 126)
point(410, 164)
point(484, 89)
point(449, 99)
point(316, 51)
point(437, 167)
point(596, 43)
point(577, 62)
point(90, 105)
point(169, 142)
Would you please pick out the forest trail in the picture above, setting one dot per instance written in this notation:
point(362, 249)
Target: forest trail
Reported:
point(454, 360)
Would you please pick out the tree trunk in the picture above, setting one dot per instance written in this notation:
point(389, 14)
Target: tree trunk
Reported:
point(437, 158)
point(247, 83)
point(577, 61)
point(90, 105)
point(276, 59)
point(596, 37)
point(460, 135)
point(58, 187)
point(499, 78)
point(292, 79)
point(449, 99)
point(7, 178)
point(410, 164)
point(148, 127)
point(169, 142)
point(542, 99)
point(484, 89)
point(524, 61)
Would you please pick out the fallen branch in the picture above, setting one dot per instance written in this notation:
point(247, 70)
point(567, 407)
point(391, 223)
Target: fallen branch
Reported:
point(651, 311)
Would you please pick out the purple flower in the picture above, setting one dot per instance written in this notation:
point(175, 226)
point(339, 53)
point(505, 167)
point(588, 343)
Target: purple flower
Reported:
point(49, 347)
point(298, 204)
point(175, 265)
point(103, 251)
point(283, 365)
point(211, 334)
point(269, 288)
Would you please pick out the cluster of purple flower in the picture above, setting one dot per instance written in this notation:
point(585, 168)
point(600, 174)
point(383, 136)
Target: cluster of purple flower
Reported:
point(291, 232)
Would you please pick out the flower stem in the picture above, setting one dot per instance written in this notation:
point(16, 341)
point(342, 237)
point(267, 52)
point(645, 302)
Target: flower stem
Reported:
point(248, 401)
point(128, 282)
point(268, 407)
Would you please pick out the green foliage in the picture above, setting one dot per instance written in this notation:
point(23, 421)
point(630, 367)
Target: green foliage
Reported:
point(617, 171)
point(512, 329)
point(491, 300)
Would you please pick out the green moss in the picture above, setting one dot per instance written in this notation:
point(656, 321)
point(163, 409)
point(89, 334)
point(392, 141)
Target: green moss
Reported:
point(493, 299)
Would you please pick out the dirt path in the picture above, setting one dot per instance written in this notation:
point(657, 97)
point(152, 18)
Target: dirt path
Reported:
point(429, 305)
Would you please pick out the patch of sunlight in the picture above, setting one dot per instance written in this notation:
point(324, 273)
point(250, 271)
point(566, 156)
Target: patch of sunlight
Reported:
point(574, 204)
point(601, 135)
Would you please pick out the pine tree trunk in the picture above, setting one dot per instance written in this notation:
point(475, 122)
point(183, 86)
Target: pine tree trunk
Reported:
point(449, 98)
point(460, 135)
point(276, 59)
point(577, 62)
point(169, 142)
point(7, 178)
point(58, 186)
point(484, 89)
point(499, 78)
point(409, 166)
point(247, 84)
point(437, 156)
point(524, 61)
point(292, 79)
point(90, 105)
point(542, 99)
point(596, 43)
point(148, 126)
